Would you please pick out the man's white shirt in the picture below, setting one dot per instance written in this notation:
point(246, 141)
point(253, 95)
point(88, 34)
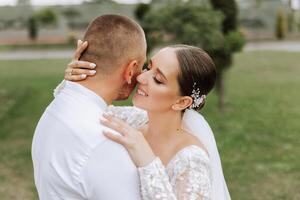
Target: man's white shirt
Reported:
point(72, 159)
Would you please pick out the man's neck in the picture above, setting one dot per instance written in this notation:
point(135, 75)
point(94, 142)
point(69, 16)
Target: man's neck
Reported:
point(103, 88)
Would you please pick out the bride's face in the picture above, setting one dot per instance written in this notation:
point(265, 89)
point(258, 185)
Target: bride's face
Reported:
point(158, 87)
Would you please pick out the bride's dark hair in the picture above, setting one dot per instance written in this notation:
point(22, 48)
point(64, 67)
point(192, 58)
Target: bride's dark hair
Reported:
point(197, 71)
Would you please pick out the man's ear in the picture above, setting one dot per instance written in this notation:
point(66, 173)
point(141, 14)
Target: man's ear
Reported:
point(130, 71)
point(182, 103)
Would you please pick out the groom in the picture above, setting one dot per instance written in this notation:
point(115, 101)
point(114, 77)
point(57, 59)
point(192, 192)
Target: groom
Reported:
point(71, 157)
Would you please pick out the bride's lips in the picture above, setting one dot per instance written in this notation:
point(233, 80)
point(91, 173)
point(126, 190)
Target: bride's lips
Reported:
point(141, 92)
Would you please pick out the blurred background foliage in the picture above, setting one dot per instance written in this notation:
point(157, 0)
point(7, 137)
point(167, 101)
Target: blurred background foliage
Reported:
point(256, 18)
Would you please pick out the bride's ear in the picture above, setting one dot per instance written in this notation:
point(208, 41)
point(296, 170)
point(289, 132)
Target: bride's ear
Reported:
point(182, 103)
point(129, 71)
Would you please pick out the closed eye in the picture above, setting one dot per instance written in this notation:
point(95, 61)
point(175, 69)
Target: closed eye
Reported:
point(156, 80)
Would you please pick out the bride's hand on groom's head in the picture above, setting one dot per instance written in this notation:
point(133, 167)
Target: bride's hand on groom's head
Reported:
point(79, 70)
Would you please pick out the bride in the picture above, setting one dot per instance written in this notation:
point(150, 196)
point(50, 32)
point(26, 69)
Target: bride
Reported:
point(171, 144)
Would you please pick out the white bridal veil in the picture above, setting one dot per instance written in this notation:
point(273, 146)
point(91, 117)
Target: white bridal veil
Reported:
point(197, 125)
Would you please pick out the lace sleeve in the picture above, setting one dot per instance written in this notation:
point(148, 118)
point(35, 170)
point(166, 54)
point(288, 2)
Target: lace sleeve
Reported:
point(134, 116)
point(192, 181)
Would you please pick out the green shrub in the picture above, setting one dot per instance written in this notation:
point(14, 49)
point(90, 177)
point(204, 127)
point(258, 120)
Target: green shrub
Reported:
point(32, 27)
point(280, 26)
point(234, 41)
point(46, 17)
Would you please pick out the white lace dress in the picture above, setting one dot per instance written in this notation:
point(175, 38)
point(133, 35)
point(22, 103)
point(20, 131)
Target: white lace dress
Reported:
point(186, 177)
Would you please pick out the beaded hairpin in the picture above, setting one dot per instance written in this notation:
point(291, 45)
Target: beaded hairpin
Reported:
point(198, 99)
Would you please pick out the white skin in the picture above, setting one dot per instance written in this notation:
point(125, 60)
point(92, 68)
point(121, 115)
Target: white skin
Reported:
point(159, 94)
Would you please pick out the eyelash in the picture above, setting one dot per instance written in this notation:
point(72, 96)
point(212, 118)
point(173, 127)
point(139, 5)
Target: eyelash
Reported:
point(154, 78)
point(156, 81)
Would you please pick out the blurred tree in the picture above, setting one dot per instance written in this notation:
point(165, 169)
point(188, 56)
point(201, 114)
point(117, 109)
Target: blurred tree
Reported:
point(230, 12)
point(140, 12)
point(280, 26)
point(44, 17)
point(234, 41)
point(186, 23)
point(32, 28)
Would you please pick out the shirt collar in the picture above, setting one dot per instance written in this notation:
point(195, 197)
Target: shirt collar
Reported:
point(86, 93)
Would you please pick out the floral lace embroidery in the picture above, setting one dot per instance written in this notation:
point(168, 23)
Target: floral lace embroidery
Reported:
point(134, 116)
point(187, 177)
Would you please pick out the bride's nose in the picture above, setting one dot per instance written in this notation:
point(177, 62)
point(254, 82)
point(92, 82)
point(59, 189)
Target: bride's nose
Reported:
point(142, 78)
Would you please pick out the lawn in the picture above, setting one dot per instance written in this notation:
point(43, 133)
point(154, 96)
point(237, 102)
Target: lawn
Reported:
point(258, 134)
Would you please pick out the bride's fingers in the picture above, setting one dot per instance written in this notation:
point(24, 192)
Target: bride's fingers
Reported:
point(109, 123)
point(81, 64)
point(71, 72)
point(117, 138)
point(75, 77)
point(81, 46)
point(116, 124)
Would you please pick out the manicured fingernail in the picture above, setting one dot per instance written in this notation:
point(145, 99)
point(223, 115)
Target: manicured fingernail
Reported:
point(92, 71)
point(93, 65)
point(83, 75)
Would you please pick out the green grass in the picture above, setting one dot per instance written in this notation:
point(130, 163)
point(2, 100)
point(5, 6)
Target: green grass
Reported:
point(257, 135)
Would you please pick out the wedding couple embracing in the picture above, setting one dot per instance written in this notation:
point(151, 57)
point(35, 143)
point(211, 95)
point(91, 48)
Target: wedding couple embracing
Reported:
point(160, 148)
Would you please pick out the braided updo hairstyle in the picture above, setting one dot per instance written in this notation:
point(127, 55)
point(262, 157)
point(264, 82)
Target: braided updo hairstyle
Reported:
point(197, 71)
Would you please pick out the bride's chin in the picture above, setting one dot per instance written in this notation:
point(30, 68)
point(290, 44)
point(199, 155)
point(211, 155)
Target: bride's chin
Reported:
point(137, 102)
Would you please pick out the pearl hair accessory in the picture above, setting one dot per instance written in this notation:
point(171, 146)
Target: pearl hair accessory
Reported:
point(198, 100)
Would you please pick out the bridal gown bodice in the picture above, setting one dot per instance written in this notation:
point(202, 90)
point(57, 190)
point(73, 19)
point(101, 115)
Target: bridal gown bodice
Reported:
point(186, 177)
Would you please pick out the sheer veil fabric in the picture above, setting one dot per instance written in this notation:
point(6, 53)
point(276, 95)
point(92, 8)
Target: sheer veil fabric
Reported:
point(195, 123)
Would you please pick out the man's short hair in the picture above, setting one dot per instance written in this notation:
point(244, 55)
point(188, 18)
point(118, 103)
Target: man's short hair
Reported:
point(112, 41)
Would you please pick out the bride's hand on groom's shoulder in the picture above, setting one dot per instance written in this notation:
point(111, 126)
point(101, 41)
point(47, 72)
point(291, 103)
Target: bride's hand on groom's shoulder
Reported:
point(78, 70)
point(132, 139)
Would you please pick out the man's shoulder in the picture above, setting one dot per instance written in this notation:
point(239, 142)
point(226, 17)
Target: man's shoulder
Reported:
point(72, 121)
